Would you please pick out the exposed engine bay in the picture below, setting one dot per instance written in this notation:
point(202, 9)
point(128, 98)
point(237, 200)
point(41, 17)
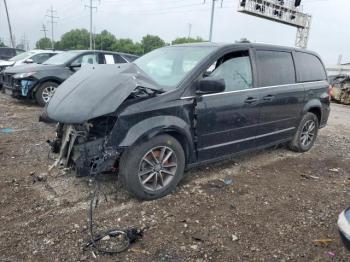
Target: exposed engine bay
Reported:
point(82, 148)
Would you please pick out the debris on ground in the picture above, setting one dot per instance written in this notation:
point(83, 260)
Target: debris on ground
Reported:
point(323, 242)
point(33, 216)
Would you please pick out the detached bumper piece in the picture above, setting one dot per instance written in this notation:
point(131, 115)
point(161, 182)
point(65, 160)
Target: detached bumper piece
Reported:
point(344, 227)
point(77, 152)
point(17, 88)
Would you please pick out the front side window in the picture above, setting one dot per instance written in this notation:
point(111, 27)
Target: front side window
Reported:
point(235, 69)
point(275, 68)
point(22, 56)
point(40, 58)
point(61, 58)
point(168, 66)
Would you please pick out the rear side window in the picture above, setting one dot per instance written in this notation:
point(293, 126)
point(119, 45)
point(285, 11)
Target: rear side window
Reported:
point(109, 59)
point(130, 58)
point(309, 67)
point(118, 59)
point(275, 68)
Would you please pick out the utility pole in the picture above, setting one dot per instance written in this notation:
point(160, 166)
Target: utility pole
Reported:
point(9, 23)
point(91, 7)
point(44, 29)
point(212, 20)
point(52, 22)
point(189, 30)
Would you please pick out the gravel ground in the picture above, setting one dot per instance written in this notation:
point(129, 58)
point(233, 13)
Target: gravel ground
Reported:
point(266, 206)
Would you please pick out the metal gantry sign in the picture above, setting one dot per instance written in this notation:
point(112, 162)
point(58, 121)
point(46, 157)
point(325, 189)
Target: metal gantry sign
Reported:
point(281, 11)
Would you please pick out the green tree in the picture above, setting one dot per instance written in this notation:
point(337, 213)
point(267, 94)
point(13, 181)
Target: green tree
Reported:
point(126, 45)
point(43, 43)
point(151, 42)
point(185, 40)
point(105, 41)
point(2, 44)
point(74, 39)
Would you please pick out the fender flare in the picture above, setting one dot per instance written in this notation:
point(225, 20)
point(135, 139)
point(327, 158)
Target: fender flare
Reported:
point(46, 79)
point(311, 105)
point(153, 126)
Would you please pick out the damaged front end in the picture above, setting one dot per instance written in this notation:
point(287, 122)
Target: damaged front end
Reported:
point(82, 147)
point(86, 107)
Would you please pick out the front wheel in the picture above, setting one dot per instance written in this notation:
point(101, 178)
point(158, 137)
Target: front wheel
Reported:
point(153, 168)
point(306, 134)
point(45, 92)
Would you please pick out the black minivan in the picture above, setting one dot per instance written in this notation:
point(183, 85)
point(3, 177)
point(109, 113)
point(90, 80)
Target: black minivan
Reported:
point(186, 105)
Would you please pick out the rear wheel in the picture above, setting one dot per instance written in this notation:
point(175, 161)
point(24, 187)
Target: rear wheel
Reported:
point(306, 134)
point(45, 92)
point(153, 168)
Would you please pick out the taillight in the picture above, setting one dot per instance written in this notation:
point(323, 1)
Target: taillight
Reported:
point(330, 92)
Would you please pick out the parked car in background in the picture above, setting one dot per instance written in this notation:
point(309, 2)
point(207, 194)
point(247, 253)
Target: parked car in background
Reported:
point(7, 52)
point(39, 82)
point(34, 56)
point(182, 106)
point(29, 57)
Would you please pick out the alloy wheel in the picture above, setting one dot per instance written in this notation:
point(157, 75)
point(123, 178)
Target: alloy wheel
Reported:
point(157, 168)
point(308, 133)
point(48, 92)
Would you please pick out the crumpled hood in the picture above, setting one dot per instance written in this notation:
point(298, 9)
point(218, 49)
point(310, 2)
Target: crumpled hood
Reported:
point(94, 91)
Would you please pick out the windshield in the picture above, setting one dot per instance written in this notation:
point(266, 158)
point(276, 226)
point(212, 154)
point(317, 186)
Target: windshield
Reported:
point(168, 66)
point(22, 56)
point(61, 59)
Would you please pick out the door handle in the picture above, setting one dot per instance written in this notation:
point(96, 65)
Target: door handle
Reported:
point(250, 100)
point(268, 97)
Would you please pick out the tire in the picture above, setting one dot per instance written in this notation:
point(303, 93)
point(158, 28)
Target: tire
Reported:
point(138, 159)
point(305, 133)
point(44, 93)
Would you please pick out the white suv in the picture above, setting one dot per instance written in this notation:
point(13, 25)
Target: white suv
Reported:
point(29, 57)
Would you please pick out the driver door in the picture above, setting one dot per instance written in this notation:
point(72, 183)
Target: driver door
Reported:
point(227, 121)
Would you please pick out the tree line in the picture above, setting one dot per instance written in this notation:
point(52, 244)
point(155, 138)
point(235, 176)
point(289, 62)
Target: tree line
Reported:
point(80, 39)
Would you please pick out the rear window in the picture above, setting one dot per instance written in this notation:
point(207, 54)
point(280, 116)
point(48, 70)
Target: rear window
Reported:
point(309, 67)
point(275, 68)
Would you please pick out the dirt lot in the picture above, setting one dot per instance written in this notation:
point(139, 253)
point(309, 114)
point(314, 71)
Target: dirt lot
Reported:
point(278, 204)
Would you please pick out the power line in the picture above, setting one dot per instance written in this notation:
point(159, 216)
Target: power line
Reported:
point(52, 22)
point(91, 7)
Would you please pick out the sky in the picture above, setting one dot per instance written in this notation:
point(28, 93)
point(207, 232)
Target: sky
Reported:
point(330, 35)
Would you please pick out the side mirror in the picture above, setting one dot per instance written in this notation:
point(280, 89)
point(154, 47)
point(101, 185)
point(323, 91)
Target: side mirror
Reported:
point(29, 61)
point(74, 66)
point(210, 85)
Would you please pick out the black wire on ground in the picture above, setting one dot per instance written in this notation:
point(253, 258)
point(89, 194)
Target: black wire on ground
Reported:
point(124, 237)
